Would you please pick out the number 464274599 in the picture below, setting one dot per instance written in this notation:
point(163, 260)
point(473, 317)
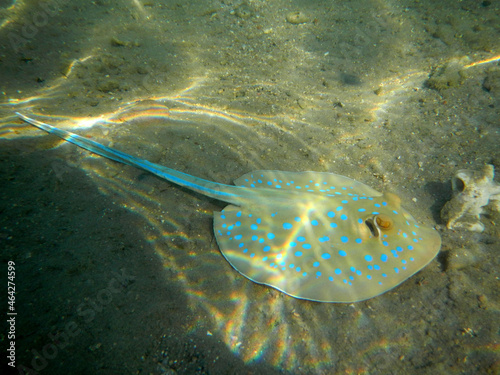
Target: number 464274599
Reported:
point(11, 275)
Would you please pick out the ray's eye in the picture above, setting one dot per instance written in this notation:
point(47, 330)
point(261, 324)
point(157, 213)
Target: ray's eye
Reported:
point(384, 222)
point(378, 224)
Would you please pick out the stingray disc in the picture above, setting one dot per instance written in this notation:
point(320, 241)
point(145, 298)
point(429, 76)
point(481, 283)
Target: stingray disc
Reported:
point(339, 241)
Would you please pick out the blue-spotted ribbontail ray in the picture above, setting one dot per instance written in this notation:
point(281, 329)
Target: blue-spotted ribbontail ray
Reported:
point(312, 235)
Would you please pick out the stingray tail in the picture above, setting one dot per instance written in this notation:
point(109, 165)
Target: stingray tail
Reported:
point(212, 189)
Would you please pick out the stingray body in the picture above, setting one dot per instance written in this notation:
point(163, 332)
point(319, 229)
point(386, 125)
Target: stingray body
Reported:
point(315, 236)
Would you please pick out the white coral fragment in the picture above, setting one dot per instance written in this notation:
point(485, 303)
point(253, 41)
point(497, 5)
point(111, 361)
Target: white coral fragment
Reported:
point(472, 191)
